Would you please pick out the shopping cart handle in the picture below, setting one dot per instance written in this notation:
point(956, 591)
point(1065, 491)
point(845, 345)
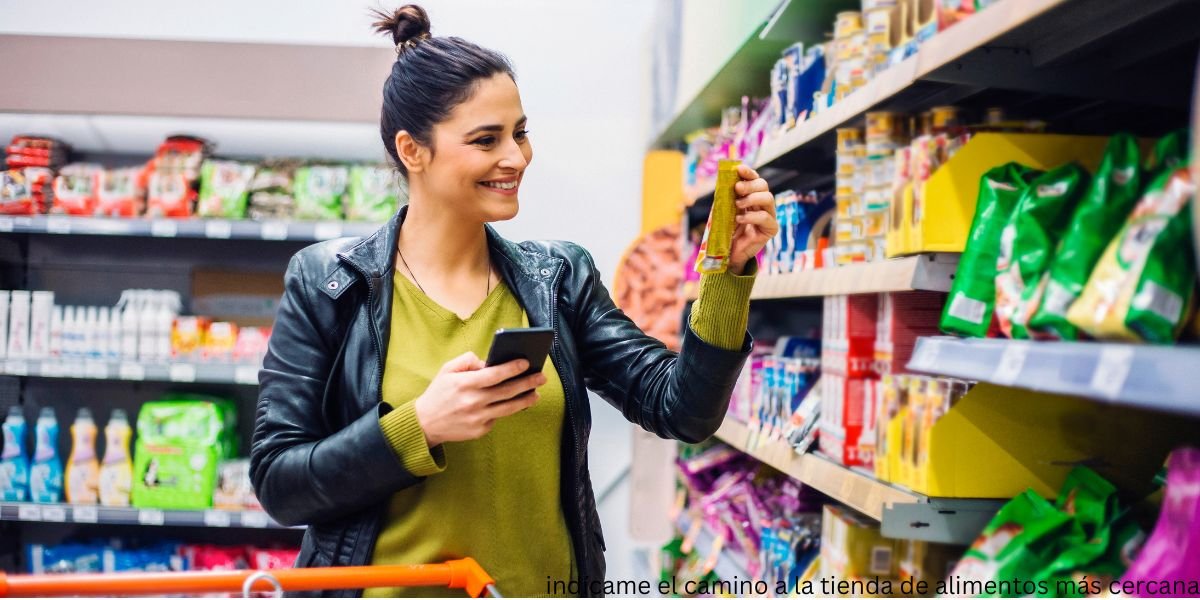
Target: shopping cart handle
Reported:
point(465, 574)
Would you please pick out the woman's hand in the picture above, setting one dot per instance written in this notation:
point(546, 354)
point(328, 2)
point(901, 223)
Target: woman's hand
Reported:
point(466, 397)
point(756, 223)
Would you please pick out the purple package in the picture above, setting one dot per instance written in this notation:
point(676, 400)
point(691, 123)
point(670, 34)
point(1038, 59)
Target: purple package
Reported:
point(1172, 553)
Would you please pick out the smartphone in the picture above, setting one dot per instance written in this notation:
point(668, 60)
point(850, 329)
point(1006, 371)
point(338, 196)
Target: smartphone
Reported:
point(531, 343)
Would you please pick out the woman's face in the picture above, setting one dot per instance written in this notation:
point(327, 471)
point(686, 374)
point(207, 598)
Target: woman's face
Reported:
point(480, 153)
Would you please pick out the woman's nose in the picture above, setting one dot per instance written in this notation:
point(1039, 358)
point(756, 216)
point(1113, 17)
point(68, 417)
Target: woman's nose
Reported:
point(513, 157)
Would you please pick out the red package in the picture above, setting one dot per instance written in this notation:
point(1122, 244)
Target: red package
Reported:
point(169, 195)
point(844, 404)
point(120, 193)
point(207, 557)
point(848, 335)
point(75, 190)
point(264, 559)
point(23, 191)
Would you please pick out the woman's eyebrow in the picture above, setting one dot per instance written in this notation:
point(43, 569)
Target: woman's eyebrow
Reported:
point(493, 128)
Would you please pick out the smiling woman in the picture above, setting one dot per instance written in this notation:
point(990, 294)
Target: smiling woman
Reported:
point(378, 424)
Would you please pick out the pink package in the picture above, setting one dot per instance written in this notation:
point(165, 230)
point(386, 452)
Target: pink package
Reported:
point(1172, 553)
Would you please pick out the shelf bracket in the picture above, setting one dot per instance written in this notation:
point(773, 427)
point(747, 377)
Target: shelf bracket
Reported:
point(941, 520)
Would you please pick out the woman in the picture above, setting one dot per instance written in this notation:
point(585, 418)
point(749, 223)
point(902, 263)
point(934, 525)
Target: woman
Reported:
point(378, 425)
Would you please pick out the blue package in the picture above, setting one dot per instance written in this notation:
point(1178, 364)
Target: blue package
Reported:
point(794, 57)
point(71, 557)
point(812, 76)
point(791, 346)
point(14, 460)
point(156, 558)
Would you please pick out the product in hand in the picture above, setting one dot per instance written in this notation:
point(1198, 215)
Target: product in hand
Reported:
point(717, 243)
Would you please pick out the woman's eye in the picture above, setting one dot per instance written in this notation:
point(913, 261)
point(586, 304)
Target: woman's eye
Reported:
point(521, 135)
point(486, 140)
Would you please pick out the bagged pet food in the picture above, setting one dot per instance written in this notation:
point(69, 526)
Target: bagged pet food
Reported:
point(224, 189)
point(972, 298)
point(318, 192)
point(1100, 214)
point(1142, 288)
point(1169, 153)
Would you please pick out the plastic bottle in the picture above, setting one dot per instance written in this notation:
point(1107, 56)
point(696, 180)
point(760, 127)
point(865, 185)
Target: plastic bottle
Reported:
point(83, 470)
point(68, 330)
point(90, 325)
point(56, 332)
point(14, 461)
point(169, 307)
point(114, 335)
point(147, 326)
point(116, 472)
point(46, 474)
point(129, 325)
point(101, 333)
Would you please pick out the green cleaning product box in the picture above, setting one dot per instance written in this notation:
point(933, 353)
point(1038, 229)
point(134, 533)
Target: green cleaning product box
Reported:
point(180, 441)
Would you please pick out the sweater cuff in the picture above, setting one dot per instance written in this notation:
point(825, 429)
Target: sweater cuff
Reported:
point(403, 431)
point(722, 309)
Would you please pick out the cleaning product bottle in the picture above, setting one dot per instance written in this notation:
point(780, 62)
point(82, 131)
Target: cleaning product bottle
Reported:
point(116, 473)
point(129, 324)
point(14, 461)
point(46, 474)
point(83, 471)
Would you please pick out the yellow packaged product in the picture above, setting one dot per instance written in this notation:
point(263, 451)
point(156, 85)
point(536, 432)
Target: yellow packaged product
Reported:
point(718, 234)
point(854, 549)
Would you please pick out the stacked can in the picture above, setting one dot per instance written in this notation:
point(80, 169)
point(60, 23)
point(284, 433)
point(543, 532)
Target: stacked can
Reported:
point(850, 40)
point(851, 152)
point(887, 132)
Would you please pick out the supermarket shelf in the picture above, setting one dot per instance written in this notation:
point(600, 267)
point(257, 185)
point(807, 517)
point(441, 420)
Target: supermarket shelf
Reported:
point(110, 515)
point(213, 229)
point(931, 272)
point(1154, 377)
point(177, 372)
point(729, 565)
point(1045, 33)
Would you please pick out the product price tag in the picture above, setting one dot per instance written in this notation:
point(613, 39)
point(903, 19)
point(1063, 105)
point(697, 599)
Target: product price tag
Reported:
point(274, 230)
point(151, 516)
point(51, 369)
point(132, 372)
point(18, 368)
point(85, 514)
point(59, 225)
point(6, 224)
point(246, 375)
point(327, 231)
point(254, 518)
point(1112, 369)
point(95, 369)
point(164, 228)
point(71, 369)
point(1012, 360)
point(182, 373)
point(218, 230)
point(689, 539)
point(56, 514)
point(216, 518)
point(29, 512)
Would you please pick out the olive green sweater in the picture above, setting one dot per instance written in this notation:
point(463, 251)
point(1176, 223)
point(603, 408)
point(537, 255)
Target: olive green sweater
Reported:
point(495, 499)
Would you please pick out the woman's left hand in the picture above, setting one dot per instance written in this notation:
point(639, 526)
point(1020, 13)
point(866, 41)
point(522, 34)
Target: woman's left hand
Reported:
point(756, 223)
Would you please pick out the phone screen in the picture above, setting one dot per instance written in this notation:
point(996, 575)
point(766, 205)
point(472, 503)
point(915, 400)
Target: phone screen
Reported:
point(532, 344)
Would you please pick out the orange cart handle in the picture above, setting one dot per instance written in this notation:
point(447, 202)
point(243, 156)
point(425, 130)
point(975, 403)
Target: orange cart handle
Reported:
point(465, 574)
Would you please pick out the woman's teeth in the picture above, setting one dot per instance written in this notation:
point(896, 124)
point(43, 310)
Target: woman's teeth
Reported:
point(501, 186)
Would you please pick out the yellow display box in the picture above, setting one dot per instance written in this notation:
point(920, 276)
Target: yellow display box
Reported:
point(950, 193)
point(996, 442)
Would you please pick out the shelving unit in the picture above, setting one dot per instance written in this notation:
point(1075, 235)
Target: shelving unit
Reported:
point(213, 229)
point(151, 517)
point(931, 272)
point(1153, 377)
point(727, 564)
point(175, 372)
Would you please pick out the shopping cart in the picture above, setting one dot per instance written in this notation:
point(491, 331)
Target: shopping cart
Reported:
point(464, 574)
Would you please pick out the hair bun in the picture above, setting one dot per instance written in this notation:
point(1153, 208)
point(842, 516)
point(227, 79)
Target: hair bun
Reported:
point(408, 23)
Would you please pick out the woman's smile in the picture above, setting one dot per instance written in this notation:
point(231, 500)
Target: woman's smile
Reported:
point(506, 186)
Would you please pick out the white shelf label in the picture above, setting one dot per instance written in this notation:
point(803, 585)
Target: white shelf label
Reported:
point(1010, 365)
point(1112, 369)
point(56, 514)
point(61, 225)
point(216, 518)
point(220, 230)
point(151, 516)
point(95, 369)
point(327, 231)
point(16, 367)
point(29, 512)
point(253, 518)
point(85, 514)
point(51, 369)
point(246, 375)
point(163, 228)
point(182, 373)
point(6, 224)
point(132, 372)
point(274, 230)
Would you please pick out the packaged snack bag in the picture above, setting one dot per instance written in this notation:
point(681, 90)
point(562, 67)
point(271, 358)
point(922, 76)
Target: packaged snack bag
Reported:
point(972, 299)
point(75, 190)
point(718, 234)
point(318, 192)
point(373, 193)
point(120, 193)
point(224, 189)
point(1028, 240)
point(1169, 153)
point(1142, 288)
point(1172, 553)
point(1100, 214)
point(23, 191)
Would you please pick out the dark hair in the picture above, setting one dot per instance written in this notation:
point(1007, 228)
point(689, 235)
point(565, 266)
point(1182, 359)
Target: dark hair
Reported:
point(430, 77)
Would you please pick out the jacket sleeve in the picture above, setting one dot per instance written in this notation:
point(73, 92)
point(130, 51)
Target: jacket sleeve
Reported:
point(302, 472)
point(682, 396)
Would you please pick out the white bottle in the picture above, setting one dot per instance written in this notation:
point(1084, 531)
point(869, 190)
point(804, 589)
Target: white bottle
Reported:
point(129, 326)
point(68, 332)
point(147, 326)
point(89, 332)
point(4, 296)
point(42, 307)
point(114, 335)
point(56, 332)
point(101, 333)
point(18, 324)
point(169, 306)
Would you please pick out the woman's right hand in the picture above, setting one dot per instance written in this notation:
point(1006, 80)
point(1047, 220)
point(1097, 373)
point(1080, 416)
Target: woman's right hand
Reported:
point(466, 397)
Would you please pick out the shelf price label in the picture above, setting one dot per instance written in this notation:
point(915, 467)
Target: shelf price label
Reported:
point(6, 224)
point(95, 369)
point(55, 514)
point(216, 518)
point(132, 372)
point(60, 225)
point(327, 231)
point(254, 518)
point(1012, 360)
point(85, 514)
point(151, 516)
point(16, 367)
point(218, 230)
point(246, 375)
point(274, 230)
point(164, 228)
point(1112, 369)
point(182, 373)
point(29, 512)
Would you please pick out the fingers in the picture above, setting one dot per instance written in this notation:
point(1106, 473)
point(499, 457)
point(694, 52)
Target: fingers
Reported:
point(515, 387)
point(746, 173)
point(761, 219)
point(467, 361)
point(490, 376)
point(745, 188)
point(499, 410)
point(758, 201)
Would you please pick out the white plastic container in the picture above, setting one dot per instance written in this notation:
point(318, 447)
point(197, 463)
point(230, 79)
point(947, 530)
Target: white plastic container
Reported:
point(56, 332)
point(39, 324)
point(4, 296)
point(18, 324)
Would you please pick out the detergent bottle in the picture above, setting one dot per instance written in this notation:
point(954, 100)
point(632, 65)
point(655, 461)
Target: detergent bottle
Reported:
point(46, 474)
point(116, 471)
point(83, 470)
point(14, 461)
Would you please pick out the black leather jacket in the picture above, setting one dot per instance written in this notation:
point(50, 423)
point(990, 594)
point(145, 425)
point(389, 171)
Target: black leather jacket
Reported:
point(318, 456)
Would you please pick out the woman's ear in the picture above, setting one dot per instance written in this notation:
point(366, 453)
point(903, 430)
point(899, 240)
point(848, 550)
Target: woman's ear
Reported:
point(411, 152)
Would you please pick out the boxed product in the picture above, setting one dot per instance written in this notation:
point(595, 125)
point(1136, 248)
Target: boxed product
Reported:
point(180, 442)
point(854, 549)
point(848, 334)
point(844, 419)
point(234, 490)
point(904, 317)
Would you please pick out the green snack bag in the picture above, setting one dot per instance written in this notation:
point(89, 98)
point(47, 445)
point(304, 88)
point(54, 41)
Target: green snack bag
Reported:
point(1028, 241)
point(1169, 153)
point(1142, 289)
point(224, 189)
point(318, 192)
point(373, 193)
point(1099, 217)
point(969, 308)
point(180, 441)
